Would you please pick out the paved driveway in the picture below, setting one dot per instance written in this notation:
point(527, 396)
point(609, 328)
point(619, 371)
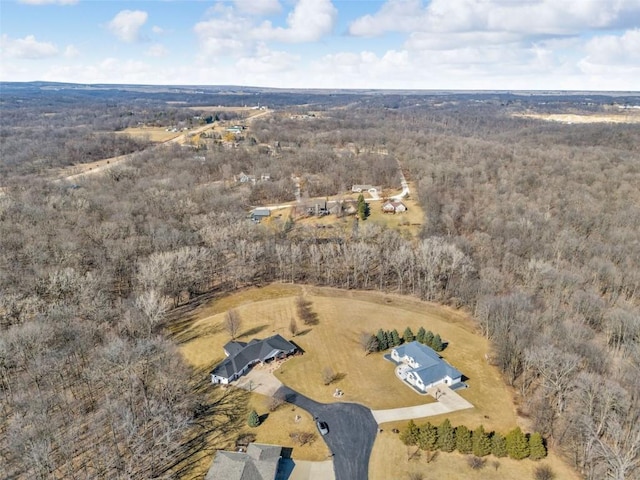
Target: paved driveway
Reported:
point(448, 401)
point(352, 431)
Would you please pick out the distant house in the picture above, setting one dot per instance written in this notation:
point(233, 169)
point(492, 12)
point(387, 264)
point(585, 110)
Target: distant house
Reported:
point(241, 356)
point(244, 178)
point(319, 208)
point(259, 214)
point(422, 367)
point(259, 462)
point(361, 188)
point(394, 206)
point(265, 177)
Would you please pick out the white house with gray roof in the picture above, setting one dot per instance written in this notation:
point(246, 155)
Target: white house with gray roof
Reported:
point(241, 356)
point(259, 462)
point(422, 367)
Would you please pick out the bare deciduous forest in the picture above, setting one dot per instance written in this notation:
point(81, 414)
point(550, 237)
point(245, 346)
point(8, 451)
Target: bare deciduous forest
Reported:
point(532, 227)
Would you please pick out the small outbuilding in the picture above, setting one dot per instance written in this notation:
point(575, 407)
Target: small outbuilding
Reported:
point(260, 214)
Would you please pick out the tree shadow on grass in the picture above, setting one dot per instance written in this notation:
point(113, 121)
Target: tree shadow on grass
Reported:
point(215, 425)
point(254, 331)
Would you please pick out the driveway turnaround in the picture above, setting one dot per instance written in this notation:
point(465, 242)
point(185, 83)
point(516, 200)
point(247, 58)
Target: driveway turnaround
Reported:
point(448, 401)
point(352, 431)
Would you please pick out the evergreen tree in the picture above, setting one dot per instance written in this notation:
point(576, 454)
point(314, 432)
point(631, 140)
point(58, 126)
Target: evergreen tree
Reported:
point(517, 444)
point(420, 334)
point(428, 338)
point(395, 338)
point(363, 208)
point(253, 420)
point(428, 438)
point(481, 442)
point(436, 343)
point(446, 436)
point(410, 435)
point(537, 450)
point(408, 335)
point(464, 443)
point(388, 338)
point(382, 340)
point(498, 445)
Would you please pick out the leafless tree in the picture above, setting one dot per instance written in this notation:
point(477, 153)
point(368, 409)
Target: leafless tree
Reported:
point(232, 323)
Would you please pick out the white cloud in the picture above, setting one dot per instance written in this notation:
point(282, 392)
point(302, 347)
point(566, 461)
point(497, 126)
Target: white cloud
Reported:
point(109, 70)
point(267, 61)
point(71, 51)
point(26, 48)
point(258, 7)
point(224, 34)
point(309, 21)
point(158, 30)
point(157, 50)
point(127, 23)
point(614, 49)
point(555, 17)
point(395, 15)
point(49, 2)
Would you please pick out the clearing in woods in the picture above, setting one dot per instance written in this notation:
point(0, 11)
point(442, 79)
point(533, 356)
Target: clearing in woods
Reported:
point(367, 379)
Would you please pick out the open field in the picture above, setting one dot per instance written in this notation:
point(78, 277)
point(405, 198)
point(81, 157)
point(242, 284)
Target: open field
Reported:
point(154, 134)
point(570, 118)
point(365, 379)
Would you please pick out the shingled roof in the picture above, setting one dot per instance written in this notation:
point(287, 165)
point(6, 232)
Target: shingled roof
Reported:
point(241, 354)
point(432, 367)
point(260, 462)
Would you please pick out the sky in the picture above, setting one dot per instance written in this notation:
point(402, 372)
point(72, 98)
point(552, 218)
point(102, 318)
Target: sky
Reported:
point(391, 44)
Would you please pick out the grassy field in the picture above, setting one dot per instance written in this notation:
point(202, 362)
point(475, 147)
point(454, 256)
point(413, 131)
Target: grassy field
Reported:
point(367, 379)
point(390, 460)
point(154, 134)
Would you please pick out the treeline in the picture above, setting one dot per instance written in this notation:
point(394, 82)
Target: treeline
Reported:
point(515, 444)
point(539, 243)
point(385, 339)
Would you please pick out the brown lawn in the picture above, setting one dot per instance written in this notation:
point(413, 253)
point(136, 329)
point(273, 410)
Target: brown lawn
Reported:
point(367, 379)
point(154, 134)
point(390, 460)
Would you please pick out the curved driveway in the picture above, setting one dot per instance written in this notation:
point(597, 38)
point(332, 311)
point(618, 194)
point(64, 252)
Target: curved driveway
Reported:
point(352, 431)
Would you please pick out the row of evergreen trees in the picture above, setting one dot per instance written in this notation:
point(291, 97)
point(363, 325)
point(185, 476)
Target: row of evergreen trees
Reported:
point(391, 338)
point(515, 444)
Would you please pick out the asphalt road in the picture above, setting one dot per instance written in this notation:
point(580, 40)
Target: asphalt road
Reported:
point(352, 431)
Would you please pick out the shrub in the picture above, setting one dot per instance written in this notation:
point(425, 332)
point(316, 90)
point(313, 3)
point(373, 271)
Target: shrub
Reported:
point(303, 438)
point(476, 463)
point(543, 472)
point(253, 420)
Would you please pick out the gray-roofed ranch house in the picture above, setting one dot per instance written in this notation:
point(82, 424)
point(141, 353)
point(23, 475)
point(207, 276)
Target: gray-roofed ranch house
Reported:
point(260, 462)
point(423, 367)
point(241, 356)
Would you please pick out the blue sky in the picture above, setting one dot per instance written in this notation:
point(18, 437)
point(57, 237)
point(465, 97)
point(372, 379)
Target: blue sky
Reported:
point(412, 44)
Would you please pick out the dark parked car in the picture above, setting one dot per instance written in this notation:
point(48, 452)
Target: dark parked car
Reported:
point(323, 428)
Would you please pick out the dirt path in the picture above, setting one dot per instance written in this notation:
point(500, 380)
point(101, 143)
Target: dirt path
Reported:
point(75, 172)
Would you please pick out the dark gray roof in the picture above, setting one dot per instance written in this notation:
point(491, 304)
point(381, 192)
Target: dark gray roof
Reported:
point(261, 212)
point(232, 348)
point(432, 367)
point(260, 462)
point(255, 350)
